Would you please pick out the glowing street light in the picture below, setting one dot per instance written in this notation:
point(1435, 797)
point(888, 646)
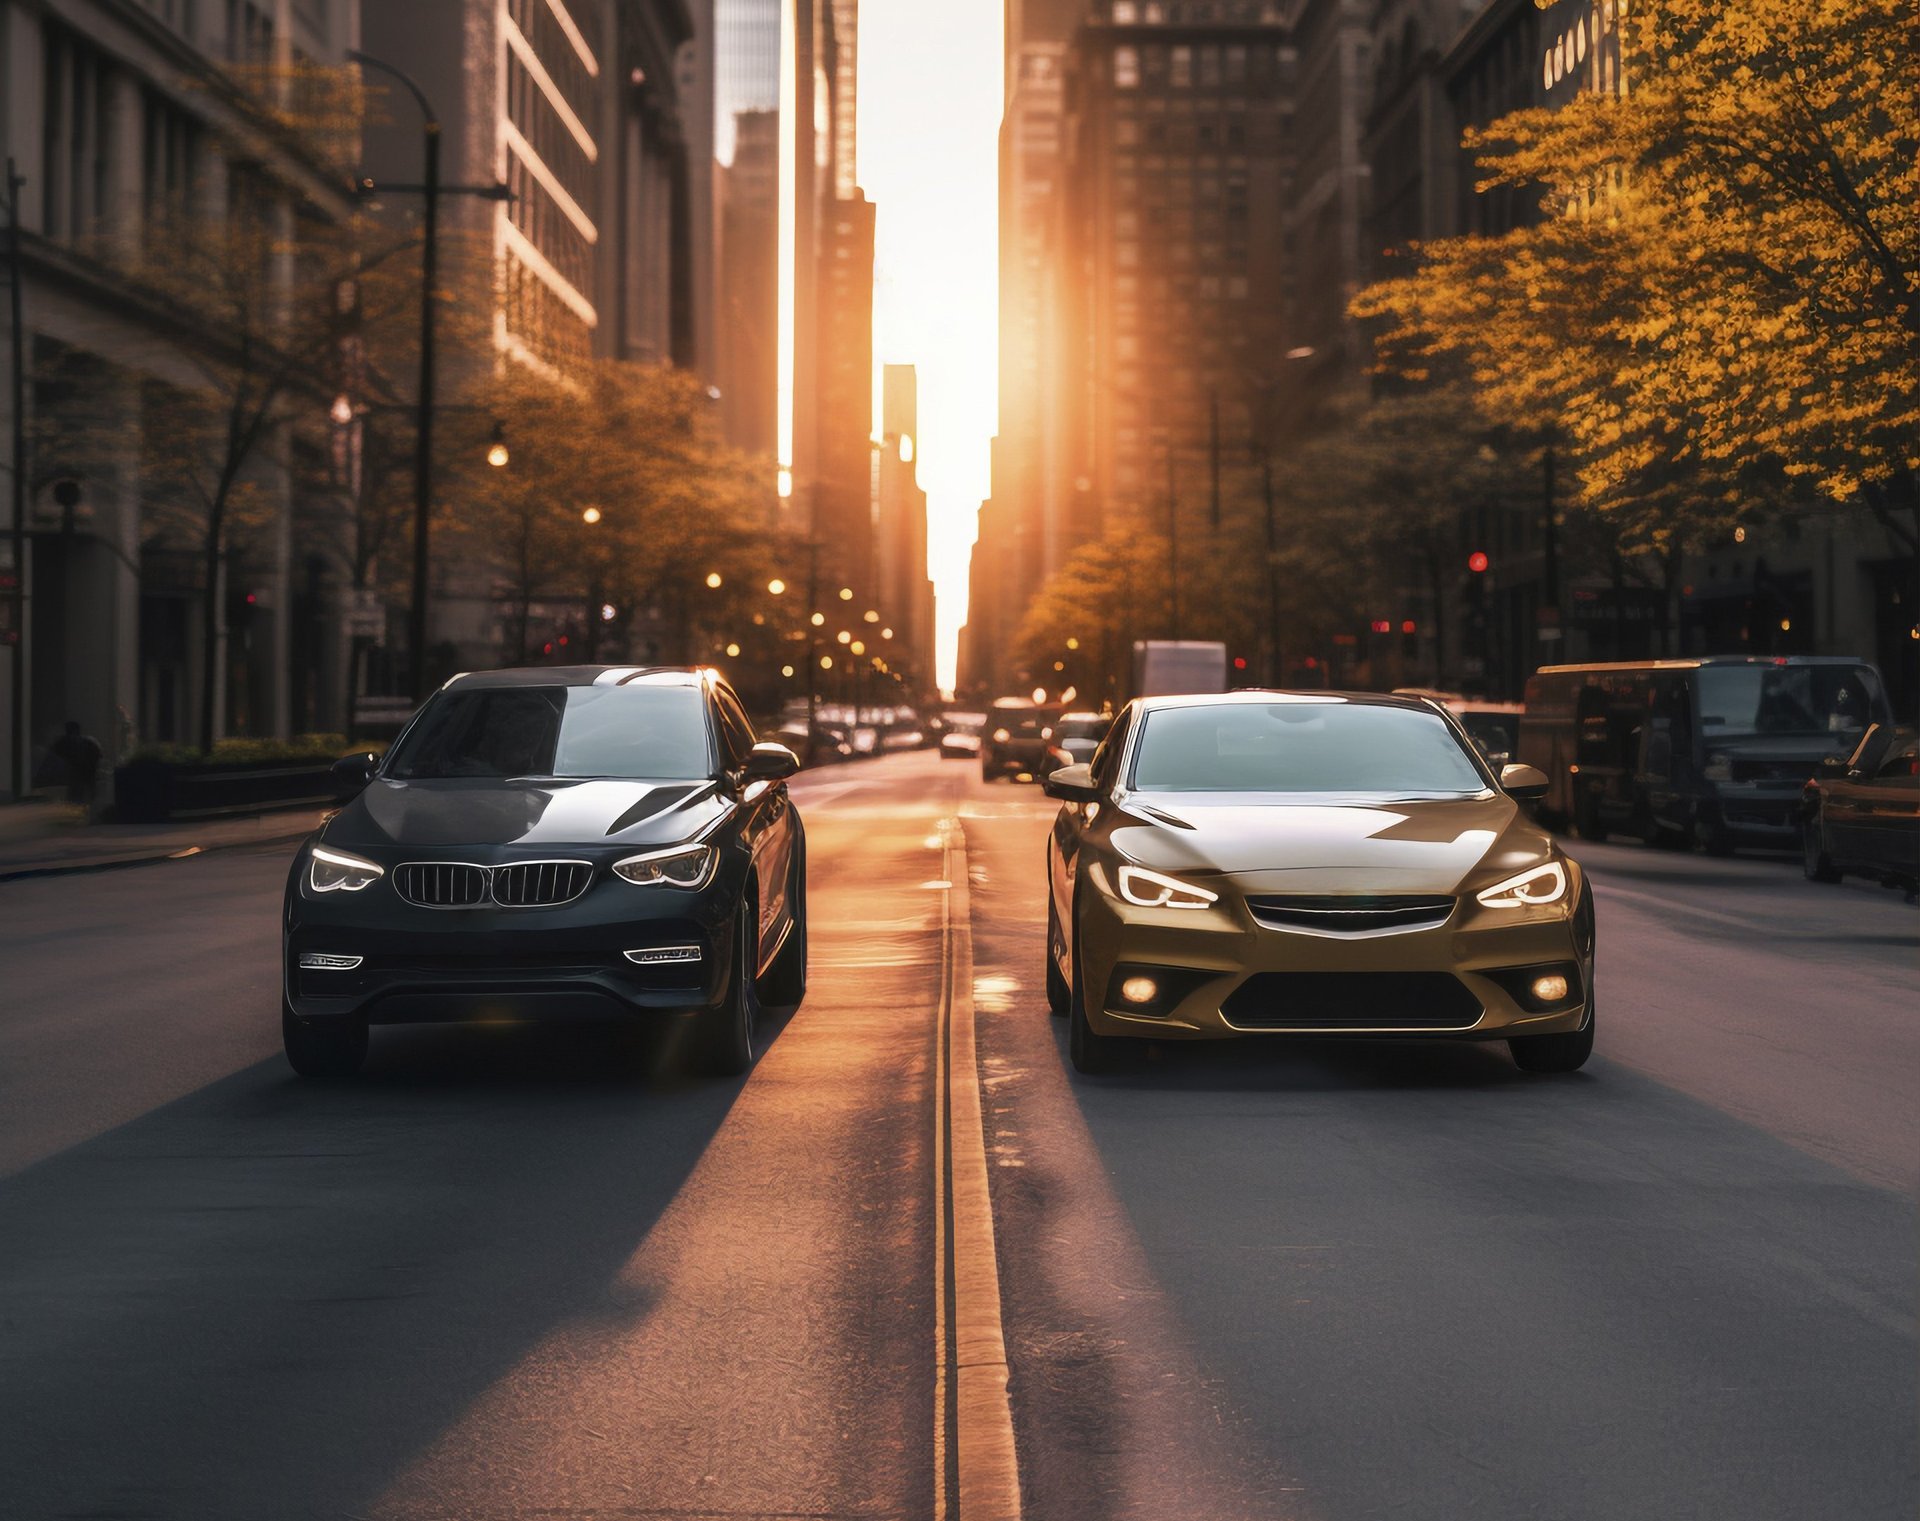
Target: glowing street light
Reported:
point(776, 586)
point(846, 594)
point(608, 612)
point(1073, 644)
point(786, 670)
point(844, 637)
point(497, 455)
point(342, 410)
point(591, 515)
point(713, 579)
point(826, 662)
point(818, 619)
point(733, 652)
point(886, 633)
point(870, 616)
point(858, 647)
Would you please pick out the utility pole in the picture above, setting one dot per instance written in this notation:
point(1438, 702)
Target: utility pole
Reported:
point(1173, 547)
point(1213, 455)
point(1276, 675)
point(17, 625)
point(431, 189)
point(813, 654)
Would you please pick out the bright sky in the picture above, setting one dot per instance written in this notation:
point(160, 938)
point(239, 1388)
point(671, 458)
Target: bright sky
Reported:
point(929, 124)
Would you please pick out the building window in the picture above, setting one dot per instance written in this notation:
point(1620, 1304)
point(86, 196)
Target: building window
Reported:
point(74, 137)
point(1126, 68)
point(1183, 68)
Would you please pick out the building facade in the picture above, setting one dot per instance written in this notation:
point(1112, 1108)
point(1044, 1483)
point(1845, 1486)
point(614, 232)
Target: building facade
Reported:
point(141, 131)
point(900, 531)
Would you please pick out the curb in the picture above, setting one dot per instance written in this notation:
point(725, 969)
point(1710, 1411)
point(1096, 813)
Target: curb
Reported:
point(147, 858)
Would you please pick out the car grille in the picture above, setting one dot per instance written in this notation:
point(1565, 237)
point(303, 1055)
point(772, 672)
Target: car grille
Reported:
point(1350, 914)
point(523, 884)
point(1352, 1001)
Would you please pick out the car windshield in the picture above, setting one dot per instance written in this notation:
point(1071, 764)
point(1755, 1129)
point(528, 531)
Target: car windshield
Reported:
point(1737, 700)
point(1303, 747)
point(656, 733)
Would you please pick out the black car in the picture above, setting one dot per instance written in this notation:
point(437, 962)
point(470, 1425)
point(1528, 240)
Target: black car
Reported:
point(1017, 739)
point(578, 842)
point(1862, 815)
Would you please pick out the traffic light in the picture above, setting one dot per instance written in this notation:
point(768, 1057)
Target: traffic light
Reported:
point(1477, 562)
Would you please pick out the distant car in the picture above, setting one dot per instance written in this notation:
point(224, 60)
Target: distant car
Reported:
point(1494, 727)
point(1078, 735)
point(828, 744)
point(1310, 864)
point(596, 843)
point(1861, 816)
point(960, 735)
point(1017, 739)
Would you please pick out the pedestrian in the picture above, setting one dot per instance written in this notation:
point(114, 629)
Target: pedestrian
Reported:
point(81, 754)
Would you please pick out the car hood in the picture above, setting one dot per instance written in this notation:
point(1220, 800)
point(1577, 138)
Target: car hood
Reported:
point(543, 813)
point(1328, 845)
point(1811, 748)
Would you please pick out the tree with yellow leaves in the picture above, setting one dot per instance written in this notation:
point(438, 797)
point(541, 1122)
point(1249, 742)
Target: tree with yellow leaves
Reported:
point(1728, 272)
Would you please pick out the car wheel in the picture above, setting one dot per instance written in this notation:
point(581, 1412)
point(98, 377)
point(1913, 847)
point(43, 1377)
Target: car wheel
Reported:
point(1586, 819)
point(1090, 1052)
point(785, 984)
point(1059, 994)
point(323, 1049)
point(1814, 859)
point(725, 1046)
point(1710, 833)
point(1554, 1053)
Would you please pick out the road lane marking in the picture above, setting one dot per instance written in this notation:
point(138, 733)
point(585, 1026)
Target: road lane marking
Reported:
point(987, 1464)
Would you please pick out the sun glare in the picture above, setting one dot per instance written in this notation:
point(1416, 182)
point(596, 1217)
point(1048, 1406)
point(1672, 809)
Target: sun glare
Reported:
point(930, 97)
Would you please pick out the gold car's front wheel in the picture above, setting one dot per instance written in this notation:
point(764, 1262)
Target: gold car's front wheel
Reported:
point(1090, 1052)
point(1554, 1053)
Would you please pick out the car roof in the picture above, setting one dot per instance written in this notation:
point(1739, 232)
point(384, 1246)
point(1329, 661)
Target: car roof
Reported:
point(1250, 696)
point(1702, 660)
point(583, 676)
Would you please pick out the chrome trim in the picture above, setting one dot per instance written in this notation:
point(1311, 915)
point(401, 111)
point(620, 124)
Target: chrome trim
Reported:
point(488, 900)
point(664, 955)
point(1330, 927)
point(321, 961)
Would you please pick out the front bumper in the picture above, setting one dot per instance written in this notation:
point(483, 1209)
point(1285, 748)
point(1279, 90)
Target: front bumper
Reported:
point(424, 965)
point(1223, 973)
point(1761, 816)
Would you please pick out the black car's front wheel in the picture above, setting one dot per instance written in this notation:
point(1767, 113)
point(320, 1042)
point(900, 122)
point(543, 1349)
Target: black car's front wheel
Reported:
point(785, 984)
point(724, 1046)
point(316, 1048)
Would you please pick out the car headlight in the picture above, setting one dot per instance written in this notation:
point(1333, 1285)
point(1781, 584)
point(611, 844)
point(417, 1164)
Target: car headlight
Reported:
point(683, 866)
point(1533, 888)
point(1719, 767)
point(334, 871)
point(1001, 736)
point(1149, 889)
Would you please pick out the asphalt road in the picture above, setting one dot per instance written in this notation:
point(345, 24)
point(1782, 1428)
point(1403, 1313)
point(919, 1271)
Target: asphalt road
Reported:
point(513, 1273)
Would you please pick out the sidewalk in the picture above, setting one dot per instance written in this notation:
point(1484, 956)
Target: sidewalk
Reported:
point(39, 839)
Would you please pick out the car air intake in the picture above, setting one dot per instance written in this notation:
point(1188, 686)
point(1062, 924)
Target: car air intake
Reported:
point(522, 884)
point(1350, 914)
point(1356, 1001)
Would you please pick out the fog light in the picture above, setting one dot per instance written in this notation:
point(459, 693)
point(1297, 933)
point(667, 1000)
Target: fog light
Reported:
point(664, 955)
point(317, 961)
point(1550, 989)
point(1142, 990)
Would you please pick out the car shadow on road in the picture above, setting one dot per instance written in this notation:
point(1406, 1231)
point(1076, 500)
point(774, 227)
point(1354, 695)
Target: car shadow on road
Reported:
point(269, 1297)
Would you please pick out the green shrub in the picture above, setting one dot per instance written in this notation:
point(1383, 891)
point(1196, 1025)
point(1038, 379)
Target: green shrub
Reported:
point(302, 749)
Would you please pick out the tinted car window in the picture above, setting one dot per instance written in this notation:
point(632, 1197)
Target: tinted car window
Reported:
point(659, 733)
point(1771, 699)
point(734, 725)
point(1106, 759)
point(1303, 747)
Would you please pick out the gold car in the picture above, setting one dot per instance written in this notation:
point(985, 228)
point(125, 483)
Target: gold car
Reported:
point(1312, 864)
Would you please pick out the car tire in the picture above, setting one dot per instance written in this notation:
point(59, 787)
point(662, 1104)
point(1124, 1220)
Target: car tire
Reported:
point(1090, 1052)
point(785, 984)
point(1554, 1053)
point(1059, 994)
point(725, 1036)
point(1586, 819)
point(1814, 860)
point(324, 1050)
point(1710, 833)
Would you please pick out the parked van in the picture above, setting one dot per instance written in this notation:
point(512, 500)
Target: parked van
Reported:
point(1713, 751)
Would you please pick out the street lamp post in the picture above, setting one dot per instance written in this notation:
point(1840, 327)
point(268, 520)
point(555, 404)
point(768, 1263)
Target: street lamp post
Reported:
point(431, 190)
point(17, 625)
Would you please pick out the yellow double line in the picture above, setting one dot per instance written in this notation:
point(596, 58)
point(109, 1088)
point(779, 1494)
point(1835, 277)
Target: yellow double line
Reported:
point(970, 1370)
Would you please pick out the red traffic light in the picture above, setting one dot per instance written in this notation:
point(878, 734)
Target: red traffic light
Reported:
point(1477, 561)
point(1382, 626)
point(1239, 662)
point(1409, 627)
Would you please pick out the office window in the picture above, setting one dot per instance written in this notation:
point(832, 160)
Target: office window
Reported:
point(1126, 68)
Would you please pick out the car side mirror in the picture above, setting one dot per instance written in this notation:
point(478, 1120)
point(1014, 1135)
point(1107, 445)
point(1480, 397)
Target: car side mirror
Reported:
point(351, 773)
point(1071, 784)
point(768, 762)
point(1527, 783)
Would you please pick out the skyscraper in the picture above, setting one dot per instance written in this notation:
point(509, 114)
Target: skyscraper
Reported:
point(746, 66)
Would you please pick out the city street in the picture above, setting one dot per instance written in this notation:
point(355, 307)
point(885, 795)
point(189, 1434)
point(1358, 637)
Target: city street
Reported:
point(509, 1273)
